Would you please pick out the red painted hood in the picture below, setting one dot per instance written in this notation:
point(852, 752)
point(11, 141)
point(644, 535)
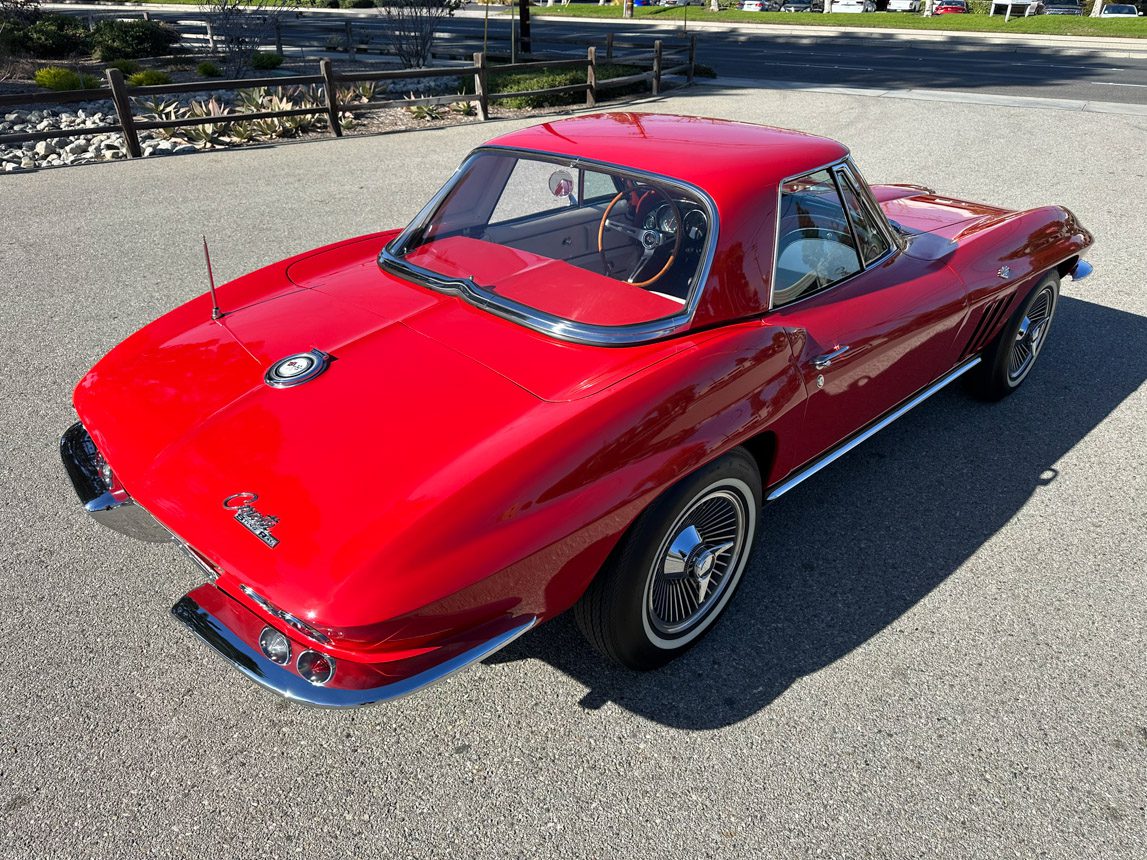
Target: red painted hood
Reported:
point(371, 466)
point(923, 211)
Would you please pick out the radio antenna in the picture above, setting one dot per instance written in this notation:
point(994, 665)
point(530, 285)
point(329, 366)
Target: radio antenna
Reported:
point(215, 312)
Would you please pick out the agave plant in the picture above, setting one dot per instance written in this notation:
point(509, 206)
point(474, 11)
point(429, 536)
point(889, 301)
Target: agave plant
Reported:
point(252, 99)
point(242, 132)
point(463, 108)
point(160, 109)
point(208, 134)
point(427, 113)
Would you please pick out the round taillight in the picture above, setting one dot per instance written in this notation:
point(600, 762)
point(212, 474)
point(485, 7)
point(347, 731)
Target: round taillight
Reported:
point(315, 667)
point(275, 645)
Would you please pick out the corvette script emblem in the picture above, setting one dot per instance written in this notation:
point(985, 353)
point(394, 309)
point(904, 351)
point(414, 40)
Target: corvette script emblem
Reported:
point(256, 523)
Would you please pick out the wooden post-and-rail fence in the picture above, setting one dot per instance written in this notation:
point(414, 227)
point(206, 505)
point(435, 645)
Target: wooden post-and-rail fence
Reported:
point(130, 125)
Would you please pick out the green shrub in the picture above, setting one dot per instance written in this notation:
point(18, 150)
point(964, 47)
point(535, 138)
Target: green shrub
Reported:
point(128, 67)
point(58, 78)
point(50, 37)
point(512, 82)
point(263, 61)
point(208, 69)
point(149, 78)
point(128, 40)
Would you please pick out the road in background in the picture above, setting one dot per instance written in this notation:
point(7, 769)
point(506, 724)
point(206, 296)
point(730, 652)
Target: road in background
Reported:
point(936, 652)
point(906, 60)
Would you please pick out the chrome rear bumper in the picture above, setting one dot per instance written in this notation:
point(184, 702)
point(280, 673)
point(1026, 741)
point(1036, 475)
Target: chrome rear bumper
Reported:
point(212, 615)
point(1081, 270)
point(109, 505)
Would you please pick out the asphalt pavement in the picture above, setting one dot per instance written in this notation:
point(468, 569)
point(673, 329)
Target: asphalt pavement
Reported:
point(938, 650)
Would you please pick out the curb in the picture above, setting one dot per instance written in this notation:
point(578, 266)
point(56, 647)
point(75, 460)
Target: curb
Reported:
point(988, 99)
point(1108, 46)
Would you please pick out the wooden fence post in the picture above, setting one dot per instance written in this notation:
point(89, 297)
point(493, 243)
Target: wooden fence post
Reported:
point(480, 86)
point(91, 23)
point(332, 97)
point(655, 84)
point(123, 110)
point(211, 37)
point(349, 42)
point(278, 36)
point(591, 77)
point(692, 58)
point(609, 47)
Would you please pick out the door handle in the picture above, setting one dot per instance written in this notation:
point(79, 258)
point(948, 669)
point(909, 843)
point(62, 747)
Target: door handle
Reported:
point(823, 361)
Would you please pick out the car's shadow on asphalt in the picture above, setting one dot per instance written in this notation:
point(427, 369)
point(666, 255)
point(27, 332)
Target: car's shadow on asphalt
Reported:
point(848, 552)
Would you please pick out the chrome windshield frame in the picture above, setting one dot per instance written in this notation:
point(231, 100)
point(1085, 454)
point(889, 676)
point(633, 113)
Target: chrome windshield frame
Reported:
point(556, 326)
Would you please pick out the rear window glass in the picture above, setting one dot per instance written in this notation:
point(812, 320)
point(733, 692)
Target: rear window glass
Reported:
point(592, 246)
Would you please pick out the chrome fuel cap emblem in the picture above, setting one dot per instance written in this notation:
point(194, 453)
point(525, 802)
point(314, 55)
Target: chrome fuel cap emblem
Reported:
point(296, 369)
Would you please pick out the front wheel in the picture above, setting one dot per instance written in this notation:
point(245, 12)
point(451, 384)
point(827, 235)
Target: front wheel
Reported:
point(1011, 357)
point(676, 569)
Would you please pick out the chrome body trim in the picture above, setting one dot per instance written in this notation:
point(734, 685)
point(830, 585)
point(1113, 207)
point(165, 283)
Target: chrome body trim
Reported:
point(111, 506)
point(211, 573)
point(1081, 270)
point(263, 671)
point(296, 623)
point(555, 326)
point(871, 430)
point(319, 362)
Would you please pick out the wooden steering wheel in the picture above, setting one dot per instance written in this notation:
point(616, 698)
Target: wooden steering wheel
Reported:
point(649, 240)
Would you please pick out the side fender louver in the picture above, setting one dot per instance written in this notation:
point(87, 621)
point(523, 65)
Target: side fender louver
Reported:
point(989, 321)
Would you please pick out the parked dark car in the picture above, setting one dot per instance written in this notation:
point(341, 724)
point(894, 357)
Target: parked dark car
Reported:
point(1062, 7)
point(803, 6)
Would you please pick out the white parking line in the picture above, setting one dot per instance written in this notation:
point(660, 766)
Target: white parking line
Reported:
point(1114, 84)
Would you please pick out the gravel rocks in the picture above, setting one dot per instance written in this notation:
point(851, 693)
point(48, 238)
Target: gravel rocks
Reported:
point(73, 146)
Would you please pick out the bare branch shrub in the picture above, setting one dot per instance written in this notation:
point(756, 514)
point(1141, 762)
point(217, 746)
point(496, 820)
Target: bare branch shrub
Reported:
point(242, 26)
point(414, 27)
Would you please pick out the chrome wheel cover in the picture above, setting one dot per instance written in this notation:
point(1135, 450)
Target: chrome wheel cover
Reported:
point(698, 562)
point(1031, 335)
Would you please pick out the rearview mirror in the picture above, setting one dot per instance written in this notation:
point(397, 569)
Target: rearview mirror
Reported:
point(561, 183)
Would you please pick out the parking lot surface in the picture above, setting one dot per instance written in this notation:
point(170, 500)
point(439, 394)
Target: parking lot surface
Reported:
point(939, 650)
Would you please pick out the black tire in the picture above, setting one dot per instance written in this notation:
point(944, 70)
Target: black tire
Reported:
point(1012, 355)
point(636, 610)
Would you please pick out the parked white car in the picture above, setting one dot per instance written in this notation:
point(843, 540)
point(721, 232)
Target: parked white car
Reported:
point(854, 6)
point(904, 5)
point(1119, 10)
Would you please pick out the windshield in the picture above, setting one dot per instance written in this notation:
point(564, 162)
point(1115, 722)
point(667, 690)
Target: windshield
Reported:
point(583, 244)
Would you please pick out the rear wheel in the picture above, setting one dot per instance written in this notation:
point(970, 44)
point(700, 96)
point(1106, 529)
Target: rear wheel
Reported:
point(1011, 357)
point(676, 569)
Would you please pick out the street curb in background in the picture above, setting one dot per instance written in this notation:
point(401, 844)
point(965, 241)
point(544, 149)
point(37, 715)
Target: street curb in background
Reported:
point(993, 99)
point(1113, 46)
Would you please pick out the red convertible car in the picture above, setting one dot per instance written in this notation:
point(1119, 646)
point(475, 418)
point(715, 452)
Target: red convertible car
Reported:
point(572, 381)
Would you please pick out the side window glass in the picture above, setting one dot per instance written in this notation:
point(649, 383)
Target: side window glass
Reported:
point(873, 243)
point(815, 247)
point(598, 185)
